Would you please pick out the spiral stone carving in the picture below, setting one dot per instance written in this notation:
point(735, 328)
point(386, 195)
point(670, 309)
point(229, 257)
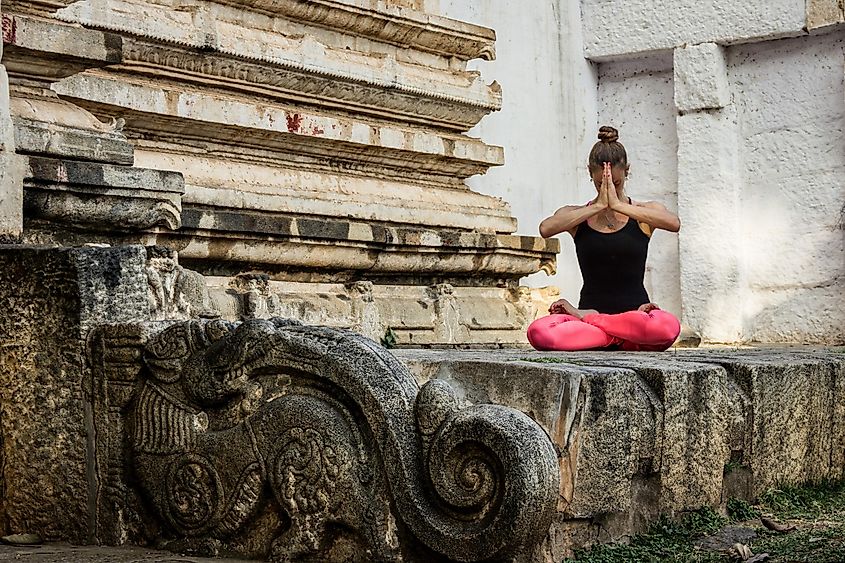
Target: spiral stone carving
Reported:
point(474, 483)
point(194, 494)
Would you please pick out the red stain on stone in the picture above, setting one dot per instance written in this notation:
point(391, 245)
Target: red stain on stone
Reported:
point(294, 122)
point(8, 29)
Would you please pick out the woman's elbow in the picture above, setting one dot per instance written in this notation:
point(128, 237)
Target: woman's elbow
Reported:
point(548, 229)
point(676, 225)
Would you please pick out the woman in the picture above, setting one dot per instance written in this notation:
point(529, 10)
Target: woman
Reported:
point(611, 235)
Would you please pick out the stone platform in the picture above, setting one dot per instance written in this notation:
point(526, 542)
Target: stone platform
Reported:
point(256, 438)
point(640, 434)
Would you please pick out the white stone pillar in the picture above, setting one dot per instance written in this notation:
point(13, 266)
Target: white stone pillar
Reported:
point(708, 194)
point(12, 166)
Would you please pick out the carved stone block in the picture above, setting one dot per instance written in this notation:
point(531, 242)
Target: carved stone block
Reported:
point(102, 196)
point(269, 438)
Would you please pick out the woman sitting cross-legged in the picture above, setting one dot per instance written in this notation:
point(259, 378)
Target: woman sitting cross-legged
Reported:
point(611, 235)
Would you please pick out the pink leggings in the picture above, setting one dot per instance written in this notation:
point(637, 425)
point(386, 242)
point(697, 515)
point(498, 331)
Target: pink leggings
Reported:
point(654, 331)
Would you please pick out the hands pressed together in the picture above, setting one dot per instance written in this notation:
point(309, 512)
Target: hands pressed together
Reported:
point(607, 198)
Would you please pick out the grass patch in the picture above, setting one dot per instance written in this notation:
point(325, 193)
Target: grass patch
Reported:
point(824, 500)
point(822, 544)
point(817, 512)
point(666, 541)
point(740, 511)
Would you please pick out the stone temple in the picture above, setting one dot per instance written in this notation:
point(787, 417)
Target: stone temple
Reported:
point(217, 216)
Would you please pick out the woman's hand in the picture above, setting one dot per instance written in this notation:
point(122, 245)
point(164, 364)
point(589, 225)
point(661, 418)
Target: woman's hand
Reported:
point(564, 307)
point(603, 200)
point(613, 200)
point(647, 307)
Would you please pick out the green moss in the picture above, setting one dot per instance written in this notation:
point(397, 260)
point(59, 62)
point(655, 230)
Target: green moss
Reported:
point(389, 339)
point(732, 466)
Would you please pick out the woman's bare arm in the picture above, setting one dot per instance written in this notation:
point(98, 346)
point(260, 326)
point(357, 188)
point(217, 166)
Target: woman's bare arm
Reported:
point(567, 218)
point(652, 213)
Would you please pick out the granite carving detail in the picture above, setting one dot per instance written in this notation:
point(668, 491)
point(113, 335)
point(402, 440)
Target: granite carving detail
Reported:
point(334, 430)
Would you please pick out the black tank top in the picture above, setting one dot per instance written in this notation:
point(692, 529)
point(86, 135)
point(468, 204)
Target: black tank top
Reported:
point(613, 267)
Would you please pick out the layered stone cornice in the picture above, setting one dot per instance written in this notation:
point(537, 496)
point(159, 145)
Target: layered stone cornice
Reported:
point(458, 101)
point(395, 25)
point(174, 111)
point(227, 48)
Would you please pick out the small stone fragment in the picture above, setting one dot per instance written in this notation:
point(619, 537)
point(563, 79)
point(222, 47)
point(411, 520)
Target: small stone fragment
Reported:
point(743, 551)
point(772, 525)
point(22, 539)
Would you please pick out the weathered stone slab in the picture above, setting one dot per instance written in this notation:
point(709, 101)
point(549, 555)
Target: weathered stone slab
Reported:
point(66, 553)
point(394, 24)
point(666, 25)
point(31, 46)
point(50, 299)
point(102, 196)
point(822, 13)
point(701, 77)
point(168, 109)
point(54, 139)
point(642, 434)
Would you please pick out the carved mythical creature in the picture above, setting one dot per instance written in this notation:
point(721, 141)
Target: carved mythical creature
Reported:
point(339, 433)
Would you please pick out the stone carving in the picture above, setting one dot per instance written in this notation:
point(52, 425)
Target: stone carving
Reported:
point(175, 293)
point(338, 431)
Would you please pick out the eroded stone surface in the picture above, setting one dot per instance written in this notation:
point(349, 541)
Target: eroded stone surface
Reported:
point(50, 299)
point(701, 80)
point(642, 434)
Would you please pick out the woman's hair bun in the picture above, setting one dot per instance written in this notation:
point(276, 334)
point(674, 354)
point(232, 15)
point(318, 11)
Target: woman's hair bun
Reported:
point(608, 134)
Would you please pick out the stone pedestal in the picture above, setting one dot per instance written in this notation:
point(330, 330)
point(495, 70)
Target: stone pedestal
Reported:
point(267, 438)
point(311, 143)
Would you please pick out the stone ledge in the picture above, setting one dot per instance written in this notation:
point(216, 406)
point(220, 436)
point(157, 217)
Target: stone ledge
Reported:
point(31, 46)
point(66, 553)
point(102, 196)
point(46, 138)
point(397, 26)
point(642, 434)
point(455, 101)
point(227, 49)
point(170, 111)
point(666, 25)
point(400, 26)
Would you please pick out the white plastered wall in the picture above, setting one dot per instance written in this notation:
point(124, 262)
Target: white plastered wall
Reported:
point(548, 120)
point(748, 145)
point(790, 100)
